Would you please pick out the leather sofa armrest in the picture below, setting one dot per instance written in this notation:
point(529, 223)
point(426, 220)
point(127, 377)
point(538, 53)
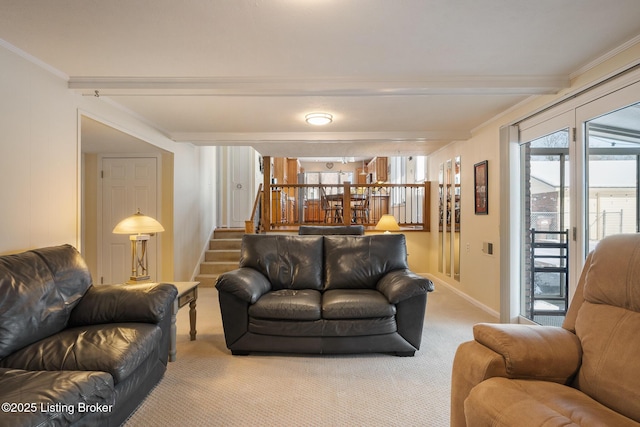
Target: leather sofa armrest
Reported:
point(399, 285)
point(533, 352)
point(245, 283)
point(147, 302)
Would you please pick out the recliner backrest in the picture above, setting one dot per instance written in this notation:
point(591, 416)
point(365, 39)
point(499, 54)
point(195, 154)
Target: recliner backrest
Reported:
point(358, 262)
point(608, 322)
point(38, 290)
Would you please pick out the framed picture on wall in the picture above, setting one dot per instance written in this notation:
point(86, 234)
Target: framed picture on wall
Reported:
point(481, 187)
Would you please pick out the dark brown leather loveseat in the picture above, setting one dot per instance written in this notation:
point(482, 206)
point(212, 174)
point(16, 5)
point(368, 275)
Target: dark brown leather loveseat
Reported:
point(72, 353)
point(323, 294)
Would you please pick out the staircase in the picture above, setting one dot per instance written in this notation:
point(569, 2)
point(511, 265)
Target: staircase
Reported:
point(223, 255)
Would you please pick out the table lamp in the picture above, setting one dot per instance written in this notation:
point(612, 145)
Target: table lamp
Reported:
point(140, 228)
point(387, 223)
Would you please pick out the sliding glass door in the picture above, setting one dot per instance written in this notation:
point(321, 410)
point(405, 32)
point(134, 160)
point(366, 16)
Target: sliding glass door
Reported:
point(545, 227)
point(612, 143)
point(580, 170)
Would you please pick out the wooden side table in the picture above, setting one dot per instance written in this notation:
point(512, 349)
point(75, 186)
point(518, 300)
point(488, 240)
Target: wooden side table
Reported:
point(187, 294)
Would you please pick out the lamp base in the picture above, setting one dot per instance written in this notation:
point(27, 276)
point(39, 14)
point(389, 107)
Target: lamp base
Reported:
point(139, 279)
point(139, 270)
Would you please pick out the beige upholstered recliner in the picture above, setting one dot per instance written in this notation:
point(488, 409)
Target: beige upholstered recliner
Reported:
point(586, 373)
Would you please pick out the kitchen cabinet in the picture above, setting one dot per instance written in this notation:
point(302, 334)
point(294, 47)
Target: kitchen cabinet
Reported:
point(378, 168)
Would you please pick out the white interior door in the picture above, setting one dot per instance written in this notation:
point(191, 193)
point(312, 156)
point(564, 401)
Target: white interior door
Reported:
point(241, 185)
point(128, 184)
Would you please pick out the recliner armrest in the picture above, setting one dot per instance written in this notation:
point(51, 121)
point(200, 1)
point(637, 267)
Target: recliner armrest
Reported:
point(533, 352)
point(399, 285)
point(513, 351)
point(147, 302)
point(245, 283)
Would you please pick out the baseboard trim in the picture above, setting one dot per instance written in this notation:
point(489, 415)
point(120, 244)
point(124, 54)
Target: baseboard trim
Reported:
point(461, 294)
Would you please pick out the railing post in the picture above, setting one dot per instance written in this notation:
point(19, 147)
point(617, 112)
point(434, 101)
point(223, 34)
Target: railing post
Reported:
point(426, 207)
point(266, 206)
point(346, 204)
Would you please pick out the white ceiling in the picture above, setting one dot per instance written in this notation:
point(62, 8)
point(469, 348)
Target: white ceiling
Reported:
point(399, 76)
point(99, 138)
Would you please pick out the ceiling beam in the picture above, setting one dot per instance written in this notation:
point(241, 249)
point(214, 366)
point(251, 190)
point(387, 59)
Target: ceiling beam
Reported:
point(315, 149)
point(265, 86)
point(224, 138)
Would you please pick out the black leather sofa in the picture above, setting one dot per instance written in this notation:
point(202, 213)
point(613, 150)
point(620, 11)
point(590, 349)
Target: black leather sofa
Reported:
point(355, 230)
point(72, 353)
point(323, 294)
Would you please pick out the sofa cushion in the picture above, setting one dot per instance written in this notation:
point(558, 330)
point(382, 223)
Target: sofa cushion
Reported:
point(288, 304)
point(38, 290)
point(355, 304)
point(502, 402)
point(289, 262)
point(58, 396)
point(358, 262)
point(116, 348)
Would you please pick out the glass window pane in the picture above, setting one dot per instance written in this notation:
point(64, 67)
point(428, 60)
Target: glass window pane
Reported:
point(613, 147)
point(546, 210)
point(558, 139)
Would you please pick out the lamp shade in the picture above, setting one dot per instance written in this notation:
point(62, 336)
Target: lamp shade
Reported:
point(387, 222)
point(138, 224)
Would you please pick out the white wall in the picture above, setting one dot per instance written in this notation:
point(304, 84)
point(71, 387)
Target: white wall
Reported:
point(479, 272)
point(39, 167)
point(38, 157)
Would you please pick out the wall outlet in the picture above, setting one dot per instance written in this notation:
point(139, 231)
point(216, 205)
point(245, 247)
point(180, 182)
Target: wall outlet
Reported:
point(487, 248)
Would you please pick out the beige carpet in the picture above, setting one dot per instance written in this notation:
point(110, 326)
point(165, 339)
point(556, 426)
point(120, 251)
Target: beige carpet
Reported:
point(207, 386)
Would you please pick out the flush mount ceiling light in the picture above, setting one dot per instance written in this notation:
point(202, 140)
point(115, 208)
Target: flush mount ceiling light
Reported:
point(318, 119)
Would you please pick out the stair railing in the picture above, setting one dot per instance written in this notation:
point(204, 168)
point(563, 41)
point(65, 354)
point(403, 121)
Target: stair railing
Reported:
point(254, 225)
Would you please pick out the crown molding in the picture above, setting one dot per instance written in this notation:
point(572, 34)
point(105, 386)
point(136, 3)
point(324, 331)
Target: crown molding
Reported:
point(604, 58)
point(32, 59)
